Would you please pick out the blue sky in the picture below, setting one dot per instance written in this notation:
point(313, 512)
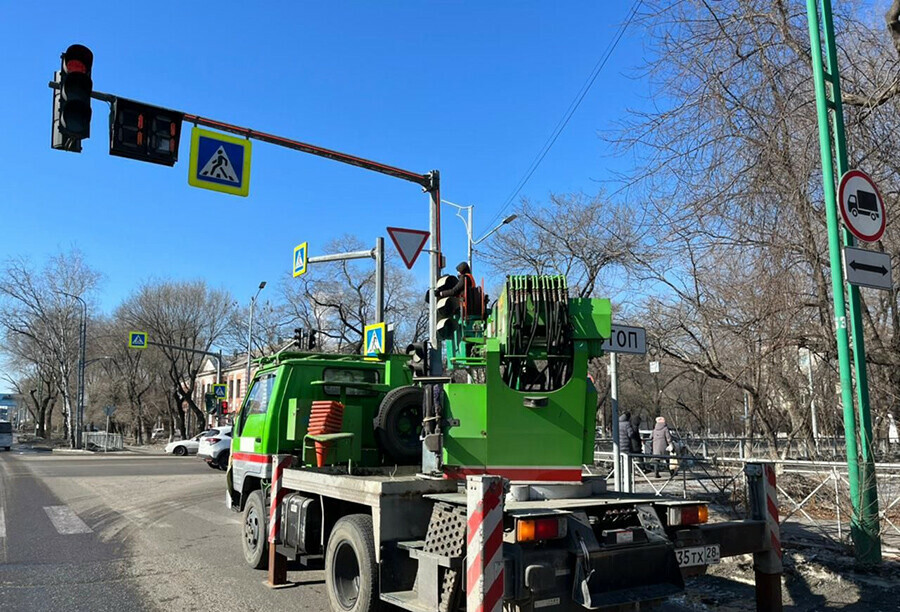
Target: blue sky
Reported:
point(470, 88)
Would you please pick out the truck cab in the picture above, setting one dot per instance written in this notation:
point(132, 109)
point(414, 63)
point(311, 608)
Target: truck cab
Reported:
point(379, 425)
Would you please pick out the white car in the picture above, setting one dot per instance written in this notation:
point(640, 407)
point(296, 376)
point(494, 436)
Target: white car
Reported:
point(215, 447)
point(186, 447)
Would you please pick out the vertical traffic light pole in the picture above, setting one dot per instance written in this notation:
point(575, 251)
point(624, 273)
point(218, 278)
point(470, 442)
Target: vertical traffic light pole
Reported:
point(864, 517)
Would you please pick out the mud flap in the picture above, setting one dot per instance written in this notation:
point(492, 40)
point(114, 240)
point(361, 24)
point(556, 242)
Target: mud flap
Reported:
point(620, 575)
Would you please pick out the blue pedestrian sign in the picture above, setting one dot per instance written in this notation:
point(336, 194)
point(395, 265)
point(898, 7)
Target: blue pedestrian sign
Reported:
point(220, 162)
point(137, 340)
point(220, 390)
point(300, 254)
point(374, 336)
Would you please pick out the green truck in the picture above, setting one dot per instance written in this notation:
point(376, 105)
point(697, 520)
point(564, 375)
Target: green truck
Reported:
point(387, 511)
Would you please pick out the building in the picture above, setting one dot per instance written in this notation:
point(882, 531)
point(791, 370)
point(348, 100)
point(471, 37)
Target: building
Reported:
point(234, 374)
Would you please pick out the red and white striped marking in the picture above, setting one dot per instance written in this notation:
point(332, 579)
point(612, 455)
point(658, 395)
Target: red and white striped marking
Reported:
point(279, 463)
point(772, 525)
point(484, 540)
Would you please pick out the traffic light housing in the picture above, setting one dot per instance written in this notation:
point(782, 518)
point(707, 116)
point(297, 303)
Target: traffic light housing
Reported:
point(298, 337)
point(144, 132)
point(224, 405)
point(72, 99)
point(447, 307)
point(418, 358)
point(312, 340)
point(209, 401)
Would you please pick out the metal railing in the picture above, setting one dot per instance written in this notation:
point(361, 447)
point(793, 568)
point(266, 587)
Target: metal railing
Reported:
point(814, 496)
point(102, 441)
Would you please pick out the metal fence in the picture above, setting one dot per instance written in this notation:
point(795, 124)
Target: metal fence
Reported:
point(814, 496)
point(102, 441)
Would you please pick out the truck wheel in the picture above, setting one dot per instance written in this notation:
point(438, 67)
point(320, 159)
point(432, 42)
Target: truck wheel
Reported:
point(399, 424)
point(254, 541)
point(351, 575)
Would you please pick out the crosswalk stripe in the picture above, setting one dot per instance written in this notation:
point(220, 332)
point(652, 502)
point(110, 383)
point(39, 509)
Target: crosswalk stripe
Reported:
point(211, 517)
point(2, 524)
point(66, 521)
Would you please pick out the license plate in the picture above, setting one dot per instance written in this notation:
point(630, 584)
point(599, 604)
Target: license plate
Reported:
point(697, 555)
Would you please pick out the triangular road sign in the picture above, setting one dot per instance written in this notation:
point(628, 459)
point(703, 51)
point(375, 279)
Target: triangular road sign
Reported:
point(219, 166)
point(409, 243)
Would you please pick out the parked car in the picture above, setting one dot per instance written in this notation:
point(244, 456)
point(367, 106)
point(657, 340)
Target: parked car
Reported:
point(186, 447)
point(215, 447)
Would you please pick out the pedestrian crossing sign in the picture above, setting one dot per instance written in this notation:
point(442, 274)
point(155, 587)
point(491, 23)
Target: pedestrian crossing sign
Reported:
point(137, 340)
point(220, 162)
point(300, 254)
point(374, 336)
point(220, 390)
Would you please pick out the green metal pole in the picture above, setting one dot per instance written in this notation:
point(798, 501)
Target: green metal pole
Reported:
point(834, 251)
point(868, 544)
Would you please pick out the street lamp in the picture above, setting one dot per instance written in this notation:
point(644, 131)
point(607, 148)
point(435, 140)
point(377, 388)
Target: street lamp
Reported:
point(467, 221)
point(79, 409)
point(262, 286)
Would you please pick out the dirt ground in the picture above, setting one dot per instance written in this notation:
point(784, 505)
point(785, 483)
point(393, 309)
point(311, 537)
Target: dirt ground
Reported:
point(814, 579)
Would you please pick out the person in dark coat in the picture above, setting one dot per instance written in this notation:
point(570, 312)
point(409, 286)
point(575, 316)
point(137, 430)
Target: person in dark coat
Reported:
point(625, 432)
point(662, 442)
point(637, 446)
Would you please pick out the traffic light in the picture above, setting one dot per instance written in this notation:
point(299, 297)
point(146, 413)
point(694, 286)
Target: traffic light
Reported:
point(144, 132)
point(447, 307)
point(209, 400)
point(298, 337)
point(312, 339)
point(224, 408)
point(72, 99)
point(418, 358)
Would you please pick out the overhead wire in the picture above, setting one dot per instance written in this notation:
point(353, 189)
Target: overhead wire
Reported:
point(570, 111)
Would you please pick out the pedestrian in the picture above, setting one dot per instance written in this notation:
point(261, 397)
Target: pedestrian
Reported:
point(662, 443)
point(625, 431)
point(637, 446)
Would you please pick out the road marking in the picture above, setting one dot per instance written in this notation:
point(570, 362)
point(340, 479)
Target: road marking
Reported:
point(211, 517)
point(2, 525)
point(66, 521)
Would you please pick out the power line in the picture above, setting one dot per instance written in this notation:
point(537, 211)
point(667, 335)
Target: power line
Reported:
point(573, 106)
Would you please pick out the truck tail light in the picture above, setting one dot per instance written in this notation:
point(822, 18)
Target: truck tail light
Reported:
point(531, 530)
point(688, 515)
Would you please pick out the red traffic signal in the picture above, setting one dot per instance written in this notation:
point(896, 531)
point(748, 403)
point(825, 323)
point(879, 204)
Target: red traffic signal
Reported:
point(72, 99)
point(224, 407)
point(75, 92)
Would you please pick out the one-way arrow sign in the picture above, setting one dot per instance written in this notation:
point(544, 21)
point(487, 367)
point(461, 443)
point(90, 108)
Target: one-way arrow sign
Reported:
point(867, 268)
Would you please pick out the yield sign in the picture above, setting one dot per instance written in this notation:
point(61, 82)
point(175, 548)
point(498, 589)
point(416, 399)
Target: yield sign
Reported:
point(409, 243)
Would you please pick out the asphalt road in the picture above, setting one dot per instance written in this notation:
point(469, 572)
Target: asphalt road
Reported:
point(128, 532)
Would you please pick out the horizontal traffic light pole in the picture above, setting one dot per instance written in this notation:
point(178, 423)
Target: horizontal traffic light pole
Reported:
point(427, 181)
point(218, 356)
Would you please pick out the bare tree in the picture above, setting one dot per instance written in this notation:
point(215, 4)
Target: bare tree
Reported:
point(40, 319)
point(179, 314)
point(338, 299)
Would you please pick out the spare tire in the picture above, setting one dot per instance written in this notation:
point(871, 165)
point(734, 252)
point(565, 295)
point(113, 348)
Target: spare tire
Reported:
point(398, 425)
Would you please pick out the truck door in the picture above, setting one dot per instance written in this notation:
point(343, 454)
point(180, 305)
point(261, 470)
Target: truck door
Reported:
point(252, 420)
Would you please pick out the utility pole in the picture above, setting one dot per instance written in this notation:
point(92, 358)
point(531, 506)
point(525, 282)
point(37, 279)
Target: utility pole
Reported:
point(76, 423)
point(864, 527)
point(262, 286)
point(470, 228)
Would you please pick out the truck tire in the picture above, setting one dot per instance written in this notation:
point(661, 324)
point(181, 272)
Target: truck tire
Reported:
point(351, 574)
point(398, 424)
point(253, 536)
